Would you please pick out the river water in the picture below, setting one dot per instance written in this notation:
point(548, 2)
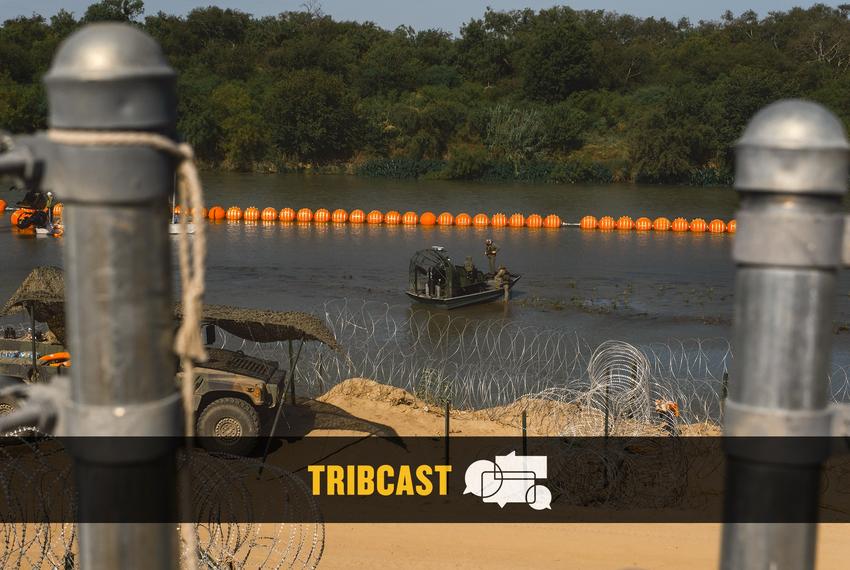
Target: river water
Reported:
point(641, 287)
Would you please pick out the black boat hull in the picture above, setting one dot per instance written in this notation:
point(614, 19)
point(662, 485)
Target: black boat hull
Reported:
point(485, 296)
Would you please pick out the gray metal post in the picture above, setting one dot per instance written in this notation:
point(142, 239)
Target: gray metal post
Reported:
point(791, 171)
point(114, 77)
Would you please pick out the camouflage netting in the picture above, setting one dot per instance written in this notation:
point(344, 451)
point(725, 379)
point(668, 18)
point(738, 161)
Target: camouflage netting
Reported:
point(43, 291)
point(268, 326)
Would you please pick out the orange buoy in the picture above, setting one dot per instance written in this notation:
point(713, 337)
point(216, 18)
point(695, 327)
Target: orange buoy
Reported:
point(732, 226)
point(304, 215)
point(679, 225)
point(57, 209)
point(481, 220)
point(269, 214)
point(375, 217)
point(717, 226)
point(463, 219)
point(661, 224)
point(3, 207)
point(234, 213)
point(643, 224)
point(409, 219)
point(428, 219)
point(499, 220)
point(552, 221)
point(322, 216)
point(357, 216)
point(445, 219)
point(392, 218)
point(534, 221)
point(339, 216)
point(252, 214)
point(698, 225)
point(607, 223)
point(16, 215)
point(287, 215)
point(588, 223)
point(517, 220)
point(216, 213)
point(625, 223)
point(176, 210)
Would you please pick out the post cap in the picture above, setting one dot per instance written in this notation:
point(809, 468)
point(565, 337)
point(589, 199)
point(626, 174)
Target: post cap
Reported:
point(111, 76)
point(793, 146)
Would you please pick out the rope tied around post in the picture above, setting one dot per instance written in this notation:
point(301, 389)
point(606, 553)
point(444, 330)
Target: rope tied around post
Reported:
point(187, 342)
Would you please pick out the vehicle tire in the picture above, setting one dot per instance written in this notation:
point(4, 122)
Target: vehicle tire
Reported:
point(229, 425)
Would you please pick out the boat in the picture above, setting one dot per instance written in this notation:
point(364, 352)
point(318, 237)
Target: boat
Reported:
point(437, 281)
point(175, 228)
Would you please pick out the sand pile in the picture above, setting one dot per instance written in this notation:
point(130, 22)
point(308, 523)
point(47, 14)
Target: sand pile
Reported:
point(409, 415)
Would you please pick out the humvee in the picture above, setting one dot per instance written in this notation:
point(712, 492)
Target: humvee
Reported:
point(233, 392)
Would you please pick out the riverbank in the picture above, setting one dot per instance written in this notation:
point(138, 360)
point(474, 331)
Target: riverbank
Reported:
point(359, 406)
point(482, 168)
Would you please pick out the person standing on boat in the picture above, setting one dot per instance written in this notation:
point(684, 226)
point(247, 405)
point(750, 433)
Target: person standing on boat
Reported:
point(50, 209)
point(490, 250)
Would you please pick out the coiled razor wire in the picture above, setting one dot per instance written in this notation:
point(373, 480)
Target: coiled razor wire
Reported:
point(36, 485)
point(488, 364)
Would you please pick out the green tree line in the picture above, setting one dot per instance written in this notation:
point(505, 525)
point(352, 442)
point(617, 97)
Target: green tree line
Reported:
point(558, 94)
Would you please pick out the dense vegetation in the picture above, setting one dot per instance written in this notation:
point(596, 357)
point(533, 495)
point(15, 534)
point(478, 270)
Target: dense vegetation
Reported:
point(558, 95)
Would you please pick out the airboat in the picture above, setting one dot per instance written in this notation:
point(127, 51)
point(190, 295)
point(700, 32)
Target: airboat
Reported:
point(435, 280)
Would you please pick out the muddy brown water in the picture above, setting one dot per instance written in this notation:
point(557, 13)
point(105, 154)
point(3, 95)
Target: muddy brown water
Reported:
point(637, 286)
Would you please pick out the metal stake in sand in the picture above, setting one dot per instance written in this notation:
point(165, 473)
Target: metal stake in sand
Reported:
point(524, 434)
point(448, 415)
point(791, 171)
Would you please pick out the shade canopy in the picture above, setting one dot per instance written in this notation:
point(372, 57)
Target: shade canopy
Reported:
point(268, 326)
point(43, 293)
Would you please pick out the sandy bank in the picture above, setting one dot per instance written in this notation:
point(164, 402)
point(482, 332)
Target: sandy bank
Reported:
point(360, 406)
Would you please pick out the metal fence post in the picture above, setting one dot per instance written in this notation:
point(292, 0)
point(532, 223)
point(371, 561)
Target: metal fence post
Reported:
point(791, 172)
point(114, 77)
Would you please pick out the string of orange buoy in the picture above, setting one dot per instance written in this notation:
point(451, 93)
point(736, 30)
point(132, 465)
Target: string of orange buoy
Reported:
point(498, 220)
point(375, 217)
point(662, 224)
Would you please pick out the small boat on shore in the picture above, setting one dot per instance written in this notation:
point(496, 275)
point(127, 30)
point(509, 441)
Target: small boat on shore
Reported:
point(435, 280)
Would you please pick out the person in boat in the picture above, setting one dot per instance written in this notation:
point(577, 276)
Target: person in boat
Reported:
point(490, 250)
point(49, 209)
point(503, 276)
point(42, 206)
point(469, 267)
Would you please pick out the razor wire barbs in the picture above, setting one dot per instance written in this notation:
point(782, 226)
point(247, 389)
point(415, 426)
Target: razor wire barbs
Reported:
point(36, 491)
point(486, 364)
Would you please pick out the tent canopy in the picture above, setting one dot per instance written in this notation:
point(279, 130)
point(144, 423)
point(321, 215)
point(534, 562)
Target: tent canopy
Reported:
point(267, 326)
point(43, 292)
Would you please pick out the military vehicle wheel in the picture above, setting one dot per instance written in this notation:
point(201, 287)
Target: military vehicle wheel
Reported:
point(229, 425)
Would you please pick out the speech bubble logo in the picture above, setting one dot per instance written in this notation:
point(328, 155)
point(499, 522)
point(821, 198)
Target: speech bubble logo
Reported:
point(539, 497)
point(510, 479)
point(478, 483)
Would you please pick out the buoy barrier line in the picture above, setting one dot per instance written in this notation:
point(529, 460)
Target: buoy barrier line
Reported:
point(660, 224)
point(462, 219)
